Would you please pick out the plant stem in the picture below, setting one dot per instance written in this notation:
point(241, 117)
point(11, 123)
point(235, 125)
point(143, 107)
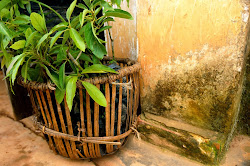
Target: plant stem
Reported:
point(112, 44)
point(78, 56)
point(50, 9)
point(74, 61)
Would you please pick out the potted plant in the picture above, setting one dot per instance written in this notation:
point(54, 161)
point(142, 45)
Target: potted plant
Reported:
point(66, 73)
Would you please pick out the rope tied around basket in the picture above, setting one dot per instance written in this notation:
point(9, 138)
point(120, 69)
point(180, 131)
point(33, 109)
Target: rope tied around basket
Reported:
point(51, 86)
point(127, 85)
point(137, 134)
point(35, 123)
point(79, 132)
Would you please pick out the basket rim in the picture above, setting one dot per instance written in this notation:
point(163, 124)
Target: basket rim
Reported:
point(133, 67)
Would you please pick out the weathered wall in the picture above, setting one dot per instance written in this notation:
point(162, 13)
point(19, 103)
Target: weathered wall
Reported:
point(191, 59)
point(192, 54)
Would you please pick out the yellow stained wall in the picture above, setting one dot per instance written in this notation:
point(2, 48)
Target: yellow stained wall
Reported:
point(171, 28)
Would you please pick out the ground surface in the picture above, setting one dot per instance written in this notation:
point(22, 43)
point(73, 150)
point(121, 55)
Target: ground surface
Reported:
point(21, 146)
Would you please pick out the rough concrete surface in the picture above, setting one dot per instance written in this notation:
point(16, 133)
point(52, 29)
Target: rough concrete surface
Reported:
point(21, 146)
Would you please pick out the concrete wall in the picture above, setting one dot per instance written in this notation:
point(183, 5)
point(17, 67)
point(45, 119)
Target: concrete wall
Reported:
point(192, 54)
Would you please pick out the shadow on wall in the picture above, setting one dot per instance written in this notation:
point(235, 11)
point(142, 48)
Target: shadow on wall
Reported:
point(244, 122)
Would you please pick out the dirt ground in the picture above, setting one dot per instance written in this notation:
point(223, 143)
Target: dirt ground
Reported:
point(20, 145)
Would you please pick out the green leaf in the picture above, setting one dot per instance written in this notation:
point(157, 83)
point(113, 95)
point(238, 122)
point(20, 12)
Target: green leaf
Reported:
point(65, 37)
point(7, 56)
point(5, 13)
point(38, 22)
point(70, 91)
point(3, 62)
point(21, 4)
point(118, 2)
point(28, 7)
point(97, 10)
point(70, 10)
point(73, 67)
point(34, 73)
point(60, 95)
point(106, 6)
point(53, 76)
point(93, 44)
point(95, 3)
point(62, 75)
point(28, 32)
point(13, 61)
point(103, 29)
point(78, 40)
point(54, 38)
point(18, 45)
point(96, 60)
point(87, 2)
point(42, 40)
point(59, 26)
point(119, 13)
point(62, 53)
point(81, 6)
point(19, 22)
point(75, 22)
point(24, 71)
point(98, 68)
point(30, 38)
point(15, 69)
point(4, 3)
point(6, 41)
point(95, 93)
point(22, 19)
point(5, 31)
point(82, 16)
point(108, 19)
point(85, 57)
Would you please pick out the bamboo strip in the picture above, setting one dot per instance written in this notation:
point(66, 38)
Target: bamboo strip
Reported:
point(89, 126)
point(119, 110)
point(96, 125)
point(138, 94)
point(68, 147)
point(138, 90)
point(135, 97)
point(85, 146)
point(45, 120)
point(127, 111)
point(61, 147)
point(113, 112)
point(107, 115)
point(70, 129)
point(131, 104)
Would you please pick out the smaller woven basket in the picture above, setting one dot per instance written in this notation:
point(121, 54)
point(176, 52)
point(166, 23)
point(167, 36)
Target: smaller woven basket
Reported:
point(89, 130)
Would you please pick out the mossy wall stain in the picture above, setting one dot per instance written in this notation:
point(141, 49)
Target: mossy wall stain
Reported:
point(192, 59)
point(202, 95)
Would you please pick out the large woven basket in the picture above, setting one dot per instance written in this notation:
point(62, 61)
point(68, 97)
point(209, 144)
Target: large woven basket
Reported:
point(89, 130)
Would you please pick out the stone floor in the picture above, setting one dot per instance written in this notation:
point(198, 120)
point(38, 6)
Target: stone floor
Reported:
point(21, 146)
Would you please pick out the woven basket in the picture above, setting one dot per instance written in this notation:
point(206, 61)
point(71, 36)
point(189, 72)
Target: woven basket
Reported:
point(89, 130)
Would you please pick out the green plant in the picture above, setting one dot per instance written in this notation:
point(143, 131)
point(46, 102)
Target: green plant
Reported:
point(62, 55)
